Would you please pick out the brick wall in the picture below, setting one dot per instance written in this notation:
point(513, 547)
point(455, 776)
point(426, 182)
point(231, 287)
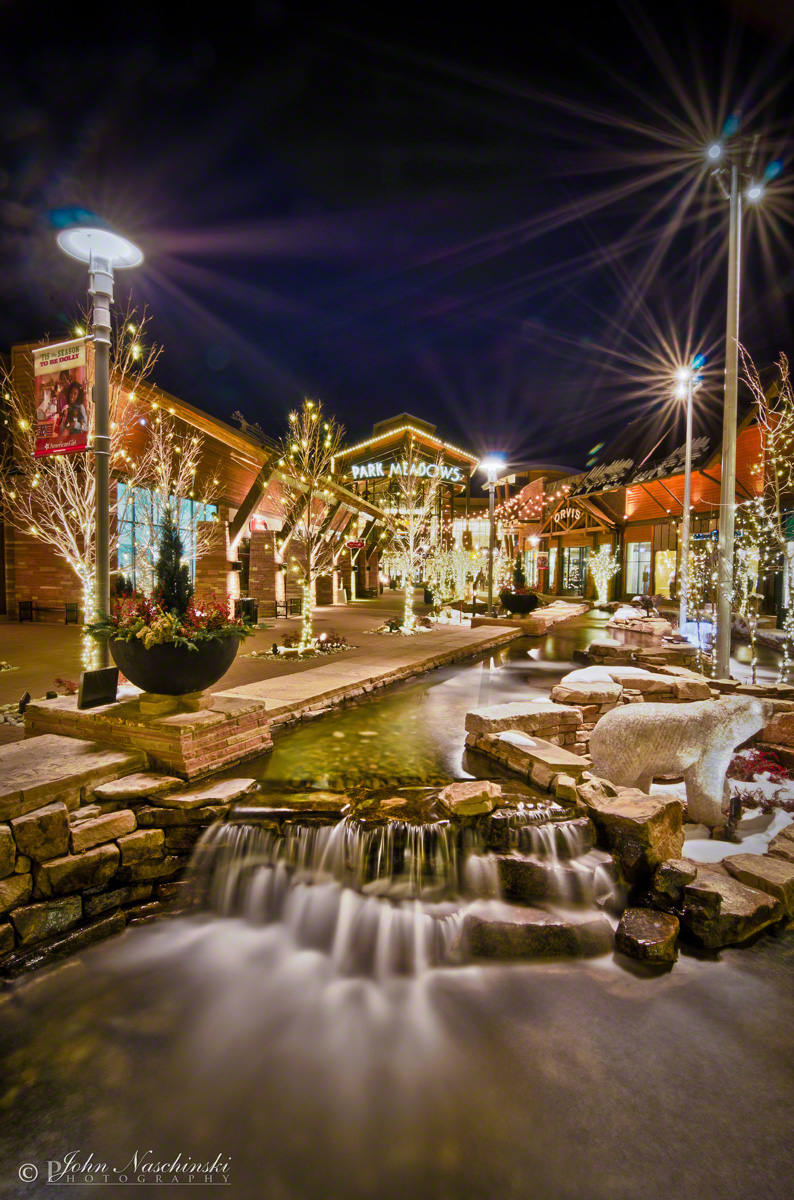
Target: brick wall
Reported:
point(35, 572)
point(212, 568)
point(262, 567)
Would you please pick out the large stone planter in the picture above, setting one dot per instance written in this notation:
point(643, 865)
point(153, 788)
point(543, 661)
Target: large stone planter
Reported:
point(170, 670)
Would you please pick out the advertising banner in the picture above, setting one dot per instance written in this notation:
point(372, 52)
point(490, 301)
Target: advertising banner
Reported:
point(61, 398)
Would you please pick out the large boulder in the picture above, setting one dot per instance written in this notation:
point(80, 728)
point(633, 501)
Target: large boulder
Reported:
point(718, 910)
point(641, 830)
point(648, 935)
point(635, 743)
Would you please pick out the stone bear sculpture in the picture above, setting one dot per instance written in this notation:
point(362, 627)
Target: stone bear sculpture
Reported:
point(636, 742)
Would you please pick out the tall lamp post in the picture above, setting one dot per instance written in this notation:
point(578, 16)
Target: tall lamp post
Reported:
point(492, 466)
point(731, 180)
point(103, 250)
point(687, 386)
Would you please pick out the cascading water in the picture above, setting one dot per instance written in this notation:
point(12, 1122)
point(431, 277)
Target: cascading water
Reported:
point(390, 897)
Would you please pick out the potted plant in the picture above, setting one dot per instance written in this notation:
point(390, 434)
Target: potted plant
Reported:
point(170, 643)
point(520, 600)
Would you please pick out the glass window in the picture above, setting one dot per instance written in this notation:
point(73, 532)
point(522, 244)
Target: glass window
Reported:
point(638, 568)
point(663, 572)
point(140, 516)
point(574, 570)
point(552, 574)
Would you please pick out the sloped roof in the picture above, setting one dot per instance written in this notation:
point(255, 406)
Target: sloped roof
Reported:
point(648, 449)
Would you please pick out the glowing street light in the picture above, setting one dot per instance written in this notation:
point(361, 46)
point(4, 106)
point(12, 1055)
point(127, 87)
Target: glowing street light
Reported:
point(493, 467)
point(714, 151)
point(688, 384)
point(103, 250)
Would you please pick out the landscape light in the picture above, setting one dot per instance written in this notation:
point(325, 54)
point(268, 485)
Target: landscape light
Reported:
point(755, 191)
point(714, 150)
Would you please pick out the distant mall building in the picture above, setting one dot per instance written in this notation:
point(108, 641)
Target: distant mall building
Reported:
point(631, 500)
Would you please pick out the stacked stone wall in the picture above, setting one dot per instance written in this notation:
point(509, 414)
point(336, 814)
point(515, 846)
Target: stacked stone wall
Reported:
point(99, 857)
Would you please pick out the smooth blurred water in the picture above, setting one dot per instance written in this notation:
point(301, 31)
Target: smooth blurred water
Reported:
point(583, 1080)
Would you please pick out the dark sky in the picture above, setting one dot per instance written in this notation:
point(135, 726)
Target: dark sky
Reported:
point(503, 224)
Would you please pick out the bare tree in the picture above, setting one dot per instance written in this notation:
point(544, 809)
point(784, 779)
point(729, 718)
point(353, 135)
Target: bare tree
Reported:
point(775, 414)
point(153, 464)
point(306, 462)
point(412, 522)
point(602, 564)
point(53, 498)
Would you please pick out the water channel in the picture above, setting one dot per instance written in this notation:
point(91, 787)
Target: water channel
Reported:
point(228, 1034)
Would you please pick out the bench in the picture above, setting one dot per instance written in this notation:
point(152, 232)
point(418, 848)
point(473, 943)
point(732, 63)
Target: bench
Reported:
point(29, 611)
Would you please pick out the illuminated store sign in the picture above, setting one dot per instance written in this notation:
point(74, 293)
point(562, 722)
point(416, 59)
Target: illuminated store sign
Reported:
point(381, 470)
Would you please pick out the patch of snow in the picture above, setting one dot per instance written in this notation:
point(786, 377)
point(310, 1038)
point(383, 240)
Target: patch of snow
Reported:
point(755, 831)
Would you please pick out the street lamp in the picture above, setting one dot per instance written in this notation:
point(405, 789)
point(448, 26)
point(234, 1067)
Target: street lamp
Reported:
point(103, 250)
point(740, 163)
point(493, 467)
point(687, 386)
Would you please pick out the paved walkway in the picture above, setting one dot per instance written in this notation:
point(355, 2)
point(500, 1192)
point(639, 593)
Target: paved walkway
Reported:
point(43, 652)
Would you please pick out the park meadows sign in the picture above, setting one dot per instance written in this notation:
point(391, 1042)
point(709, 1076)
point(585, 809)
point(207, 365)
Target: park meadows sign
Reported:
point(428, 470)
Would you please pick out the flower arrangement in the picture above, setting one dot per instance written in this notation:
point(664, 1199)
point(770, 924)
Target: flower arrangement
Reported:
point(145, 619)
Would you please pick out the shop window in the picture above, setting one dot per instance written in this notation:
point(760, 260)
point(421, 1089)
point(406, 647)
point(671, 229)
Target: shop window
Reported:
point(664, 569)
point(140, 515)
point(552, 573)
point(574, 570)
point(638, 568)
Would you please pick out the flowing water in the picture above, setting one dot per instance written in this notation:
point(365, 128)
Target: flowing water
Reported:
point(315, 1026)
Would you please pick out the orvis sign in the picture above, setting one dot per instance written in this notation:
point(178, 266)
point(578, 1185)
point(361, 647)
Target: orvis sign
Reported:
point(430, 470)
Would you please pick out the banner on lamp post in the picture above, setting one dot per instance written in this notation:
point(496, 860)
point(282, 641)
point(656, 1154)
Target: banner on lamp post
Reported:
point(60, 391)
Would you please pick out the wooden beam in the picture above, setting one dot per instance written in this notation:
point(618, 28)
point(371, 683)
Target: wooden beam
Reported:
point(251, 501)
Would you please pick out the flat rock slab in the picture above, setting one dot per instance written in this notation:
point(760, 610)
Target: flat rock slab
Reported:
point(500, 931)
point(587, 691)
point(721, 911)
point(203, 795)
point(765, 872)
point(527, 716)
point(41, 769)
point(141, 785)
point(647, 935)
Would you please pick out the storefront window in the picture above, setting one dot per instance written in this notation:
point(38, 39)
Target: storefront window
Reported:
point(638, 568)
point(574, 570)
point(479, 530)
point(552, 573)
point(140, 514)
point(664, 571)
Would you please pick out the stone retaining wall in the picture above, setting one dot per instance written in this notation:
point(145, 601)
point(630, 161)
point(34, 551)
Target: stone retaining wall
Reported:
point(84, 866)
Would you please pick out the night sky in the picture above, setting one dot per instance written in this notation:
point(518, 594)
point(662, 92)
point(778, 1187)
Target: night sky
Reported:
point(504, 225)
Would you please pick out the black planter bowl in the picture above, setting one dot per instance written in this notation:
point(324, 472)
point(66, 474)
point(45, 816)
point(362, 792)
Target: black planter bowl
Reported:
point(174, 670)
point(524, 602)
